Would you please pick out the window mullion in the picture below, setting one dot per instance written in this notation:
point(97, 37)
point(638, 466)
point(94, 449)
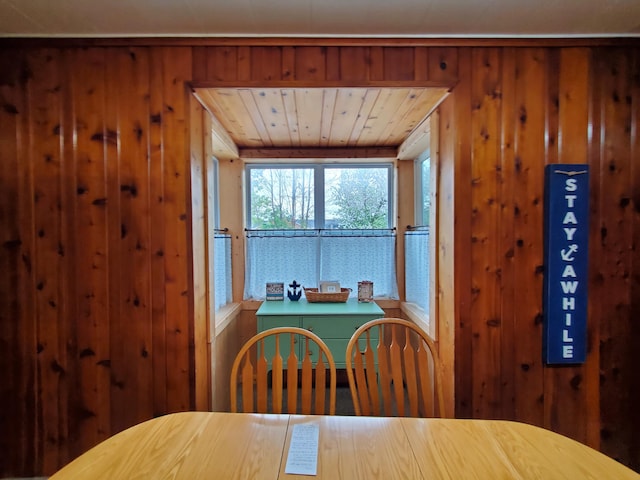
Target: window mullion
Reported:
point(319, 215)
point(318, 195)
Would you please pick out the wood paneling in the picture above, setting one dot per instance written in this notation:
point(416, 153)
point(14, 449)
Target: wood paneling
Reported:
point(616, 221)
point(573, 387)
point(486, 65)
point(522, 220)
point(97, 291)
point(544, 106)
point(88, 206)
point(357, 64)
point(455, 167)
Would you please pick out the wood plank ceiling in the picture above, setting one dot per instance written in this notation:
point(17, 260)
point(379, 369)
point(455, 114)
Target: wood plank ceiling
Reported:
point(366, 122)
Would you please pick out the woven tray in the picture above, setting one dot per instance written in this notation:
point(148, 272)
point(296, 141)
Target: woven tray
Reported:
point(314, 296)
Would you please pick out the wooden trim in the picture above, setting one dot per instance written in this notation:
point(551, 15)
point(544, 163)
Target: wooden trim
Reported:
point(385, 304)
point(434, 243)
point(320, 84)
point(387, 153)
point(222, 144)
point(157, 41)
point(420, 137)
point(231, 194)
point(420, 318)
point(405, 215)
point(226, 315)
point(199, 251)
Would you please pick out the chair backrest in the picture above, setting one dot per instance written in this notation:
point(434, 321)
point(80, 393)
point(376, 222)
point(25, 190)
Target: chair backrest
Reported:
point(407, 380)
point(276, 343)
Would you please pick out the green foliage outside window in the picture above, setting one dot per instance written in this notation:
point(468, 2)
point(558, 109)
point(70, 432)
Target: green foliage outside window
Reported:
point(286, 198)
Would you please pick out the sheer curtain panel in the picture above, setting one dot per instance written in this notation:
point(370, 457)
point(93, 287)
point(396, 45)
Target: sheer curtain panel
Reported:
point(416, 265)
point(309, 256)
point(222, 269)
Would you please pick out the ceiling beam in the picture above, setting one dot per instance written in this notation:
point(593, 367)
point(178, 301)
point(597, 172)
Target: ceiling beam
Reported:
point(363, 153)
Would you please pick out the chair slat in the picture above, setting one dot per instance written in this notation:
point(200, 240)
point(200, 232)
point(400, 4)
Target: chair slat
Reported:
point(292, 376)
point(411, 380)
point(365, 407)
point(307, 380)
point(321, 378)
point(261, 381)
point(372, 381)
point(426, 379)
point(276, 375)
point(395, 356)
point(384, 371)
point(247, 386)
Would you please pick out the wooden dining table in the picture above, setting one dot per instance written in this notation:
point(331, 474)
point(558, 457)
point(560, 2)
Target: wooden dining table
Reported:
point(205, 445)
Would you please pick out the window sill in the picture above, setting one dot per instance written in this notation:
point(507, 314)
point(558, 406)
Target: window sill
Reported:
point(253, 305)
point(225, 315)
point(418, 316)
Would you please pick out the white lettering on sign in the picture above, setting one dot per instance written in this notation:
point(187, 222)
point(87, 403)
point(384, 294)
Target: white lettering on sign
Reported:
point(570, 217)
point(567, 319)
point(568, 255)
point(568, 303)
point(571, 185)
point(569, 287)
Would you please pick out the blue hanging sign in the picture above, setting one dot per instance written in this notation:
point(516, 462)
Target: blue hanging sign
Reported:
point(566, 258)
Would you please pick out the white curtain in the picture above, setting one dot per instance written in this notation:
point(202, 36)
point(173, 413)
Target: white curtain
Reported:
point(416, 267)
point(308, 256)
point(222, 269)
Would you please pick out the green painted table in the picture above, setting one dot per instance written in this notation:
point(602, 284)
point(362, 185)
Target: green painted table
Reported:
point(333, 322)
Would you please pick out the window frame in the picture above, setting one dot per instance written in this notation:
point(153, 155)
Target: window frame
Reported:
point(215, 184)
point(420, 189)
point(319, 170)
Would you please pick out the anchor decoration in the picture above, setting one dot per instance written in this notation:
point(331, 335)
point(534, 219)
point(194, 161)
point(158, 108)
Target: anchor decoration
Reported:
point(294, 293)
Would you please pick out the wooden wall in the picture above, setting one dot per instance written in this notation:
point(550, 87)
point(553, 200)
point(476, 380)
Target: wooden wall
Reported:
point(513, 111)
point(94, 314)
point(97, 293)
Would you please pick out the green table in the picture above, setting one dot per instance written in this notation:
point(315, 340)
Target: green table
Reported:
point(333, 322)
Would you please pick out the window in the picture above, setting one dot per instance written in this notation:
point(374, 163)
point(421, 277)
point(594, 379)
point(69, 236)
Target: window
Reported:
point(222, 268)
point(221, 251)
point(319, 196)
point(416, 246)
point(422, 176)
point(313, 222)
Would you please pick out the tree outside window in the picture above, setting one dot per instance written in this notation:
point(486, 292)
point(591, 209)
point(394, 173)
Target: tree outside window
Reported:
point(352, 197)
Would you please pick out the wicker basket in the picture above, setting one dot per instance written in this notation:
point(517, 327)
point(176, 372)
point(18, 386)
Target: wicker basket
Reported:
point(314, 296)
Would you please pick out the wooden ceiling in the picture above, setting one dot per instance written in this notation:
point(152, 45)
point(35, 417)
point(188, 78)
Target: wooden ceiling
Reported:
point(354, 122)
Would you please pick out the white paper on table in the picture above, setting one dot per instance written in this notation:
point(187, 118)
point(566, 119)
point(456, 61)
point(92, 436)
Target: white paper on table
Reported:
point(303, 450)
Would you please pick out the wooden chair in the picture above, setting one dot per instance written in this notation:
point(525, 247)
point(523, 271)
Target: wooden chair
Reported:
point(407, 381)
point(313, 374)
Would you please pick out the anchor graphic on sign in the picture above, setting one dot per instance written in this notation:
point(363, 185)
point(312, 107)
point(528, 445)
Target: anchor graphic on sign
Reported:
point(567, 255)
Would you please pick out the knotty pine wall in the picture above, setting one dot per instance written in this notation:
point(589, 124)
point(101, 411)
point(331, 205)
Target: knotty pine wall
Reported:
point(95, 330)
point(513, 111)
point(99, 323)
